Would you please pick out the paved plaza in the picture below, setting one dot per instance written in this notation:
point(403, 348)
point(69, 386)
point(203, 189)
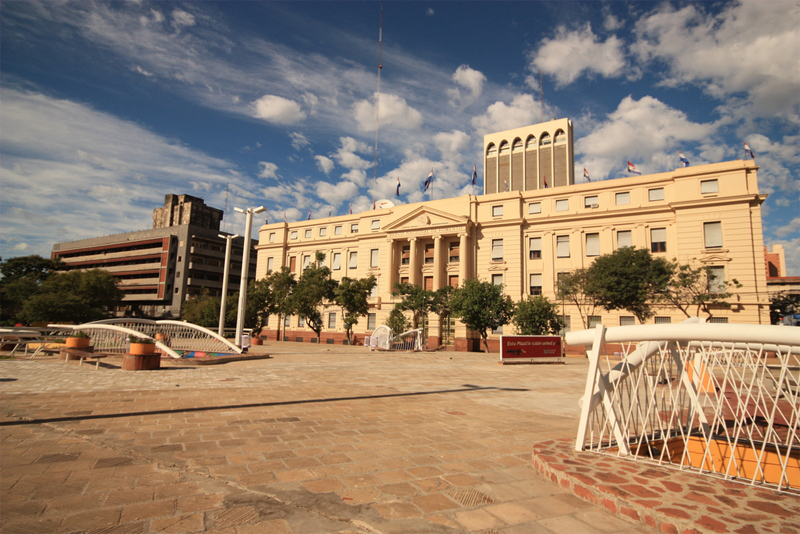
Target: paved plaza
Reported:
point(316, 439)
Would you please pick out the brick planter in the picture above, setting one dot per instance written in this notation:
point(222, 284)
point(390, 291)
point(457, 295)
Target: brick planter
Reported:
point(141, 362)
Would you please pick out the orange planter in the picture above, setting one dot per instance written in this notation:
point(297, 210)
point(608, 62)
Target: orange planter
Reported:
point(142, 348)
point(78, 342)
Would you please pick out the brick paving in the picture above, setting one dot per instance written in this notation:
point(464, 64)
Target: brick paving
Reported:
point(316, 439)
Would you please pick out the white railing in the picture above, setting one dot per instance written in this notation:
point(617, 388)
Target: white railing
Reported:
point(111, 335)
point(383, 339)
point(718, 399)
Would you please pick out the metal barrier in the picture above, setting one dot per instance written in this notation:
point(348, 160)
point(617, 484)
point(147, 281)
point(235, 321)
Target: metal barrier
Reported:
point(718, 399)
point(411, 340)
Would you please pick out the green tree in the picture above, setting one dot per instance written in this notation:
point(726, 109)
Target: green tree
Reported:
point(260, 304)
point(75, 296)
point(281, 284)
point(203, 310)
point(481, 306)
point(314, 288)
point(575, 287)
point(397, 322)
point(414, 299)
point(782, 305)
point(696, 288)
point(537, 316)
point(352, 295)
point(21, 278)
point(629, 279)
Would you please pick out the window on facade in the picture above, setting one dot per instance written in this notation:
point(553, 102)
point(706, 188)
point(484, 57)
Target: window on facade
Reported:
point(534, 207)
point(590, 202)
point(498, 331)
point(301, 322)
point(627, 320)
point(332, 320)
point(337, 261)
point(306, 262)
point(497, 211)
point(429, 253)
point(292, 264)
point(269, 265)
point(716, 279)
point(287, 321)
point(323, 232)
point(354, 228)
point(536, 284)
point(624, 238)
point(427, 283)
point(620, 199)
point(497, 249)
point(592, 244)
point(562, 246)
point(405, 255)
point(709, 186)
point(655, 194)
point(374, 291)
point(662, 320)
point(535, 248)
point(403, 279)
point(712, 232)
point(376, 224)
point(352, 262)
point(658, 240)
point(337, 230)
point(567, 321)
point(719, 320)
point(308, 233)
point(372, 319)
point(545, 139)
point(271, 237)
point(595, 320)
point(293, 234)
point(455, 253)
point(373, 257)
point(562, 205)
point(452, 280)
point(497, 279)
point(491, 151)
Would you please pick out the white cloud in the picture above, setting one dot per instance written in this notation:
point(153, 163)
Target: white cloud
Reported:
point(324, 163)
point(298, 140)
point(570, 54)
point(273, 108)
point(356, 176)
point(346, 155)
point(143, 72)
point(451, 144)
point(267, 170)
point(471, 80)
point(522, 111)
point(394, 111)
point(610, 21)
point(430, 12)
point(336, 194)
point(181, 18)
point(788, 229)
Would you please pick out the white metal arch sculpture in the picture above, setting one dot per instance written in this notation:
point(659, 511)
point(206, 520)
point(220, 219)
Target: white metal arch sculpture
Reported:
point(411, 340)
point(718, 399)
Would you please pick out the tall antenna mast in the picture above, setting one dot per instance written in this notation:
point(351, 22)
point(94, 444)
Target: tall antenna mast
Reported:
point(378, 95)
point(541, 98)
point(227, 192)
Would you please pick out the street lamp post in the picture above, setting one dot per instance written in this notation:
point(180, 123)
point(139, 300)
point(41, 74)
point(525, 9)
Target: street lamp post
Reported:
point(229, 239)
point(245, 268)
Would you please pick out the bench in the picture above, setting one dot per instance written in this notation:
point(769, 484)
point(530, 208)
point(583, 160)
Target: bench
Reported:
point(83, 355)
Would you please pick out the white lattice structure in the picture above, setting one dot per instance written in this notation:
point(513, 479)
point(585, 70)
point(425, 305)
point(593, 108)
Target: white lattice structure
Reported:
point(719, 399)
point(381, 336)
point(111, 335)
point(411, 340)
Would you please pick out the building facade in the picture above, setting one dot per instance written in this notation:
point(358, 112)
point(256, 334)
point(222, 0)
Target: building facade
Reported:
point(182, 256)
point(707, 215)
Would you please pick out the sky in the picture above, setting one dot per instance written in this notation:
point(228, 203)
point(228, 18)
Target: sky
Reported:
point(106, 107)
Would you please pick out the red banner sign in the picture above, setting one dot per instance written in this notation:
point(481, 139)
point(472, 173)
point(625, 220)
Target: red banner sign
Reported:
point(529, 347)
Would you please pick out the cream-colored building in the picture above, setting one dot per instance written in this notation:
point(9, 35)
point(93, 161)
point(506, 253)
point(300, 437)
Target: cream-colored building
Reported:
point(704, 215)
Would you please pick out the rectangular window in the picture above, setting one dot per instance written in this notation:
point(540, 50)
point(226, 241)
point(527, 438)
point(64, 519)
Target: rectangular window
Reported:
point(594, 320)
point(287, 321)
point(372, 319)
point(308, 233)
point(332, 320)
point(497, 211)
point(452, 280)
point(292, 264)
point(562, 205)
point(719, 320)
point(497, 279)
point(498, 331)
point(591, 202)
point(663, 320)
point(716, 279)
point(624, 238)
point(272, 237)
point(712, 231)
point(655, 194)
point(376, 224)
point(709, 186)
point(405, 255)
point(337, 261)
point(567, 320)
point(536, 284)
point(622, 198)
point(403, 279)
point(534, 207)
point(592, 244)
point(301, 323)
point(627, 320)
point(427, 283)
point(306, 262)
point(562, 246)
point(373, 257)
point(497, 249)
point(429, 253)
point(269, 265)
point(354, 228)
point(455, 253)
point(337, 230)
point(535, 248)
point(374, 291)
point(293, 234)
point(658, 240)
point(323, 232)
point(352, 263)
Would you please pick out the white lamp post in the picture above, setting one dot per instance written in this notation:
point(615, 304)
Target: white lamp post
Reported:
point(245, 269)
point(229, 239)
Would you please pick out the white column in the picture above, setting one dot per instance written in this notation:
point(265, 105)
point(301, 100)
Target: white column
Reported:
point(437, 263)
point(413, 268)
point(463, 258)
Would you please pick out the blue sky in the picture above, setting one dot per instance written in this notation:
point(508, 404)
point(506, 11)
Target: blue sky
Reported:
point(108, 106)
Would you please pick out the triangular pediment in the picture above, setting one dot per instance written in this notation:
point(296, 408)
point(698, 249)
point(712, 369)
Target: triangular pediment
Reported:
point(425, 217)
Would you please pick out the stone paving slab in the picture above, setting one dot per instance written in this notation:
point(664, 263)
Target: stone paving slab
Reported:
point(312, 440)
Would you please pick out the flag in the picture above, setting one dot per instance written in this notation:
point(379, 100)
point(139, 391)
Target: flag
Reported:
point(632, 168)
point(683, 159)
point(351, 209)
point(474, 174)
point(545, 182)
point(284, 216)
point(329, 211)
point(309, 215)
point(748, 151)
point(586, 175)
point(373, 203)
point(506, 182)
point(428, 180)
point(397, 191)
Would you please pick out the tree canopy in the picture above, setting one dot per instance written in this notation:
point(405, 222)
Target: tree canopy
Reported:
point(696, 287)
point(576, 288)
point(281, 284)
point(352, 295)
point(414, 299)
point(537, 316)
point(75, 296)
point(314, 288)
point(481, 306)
